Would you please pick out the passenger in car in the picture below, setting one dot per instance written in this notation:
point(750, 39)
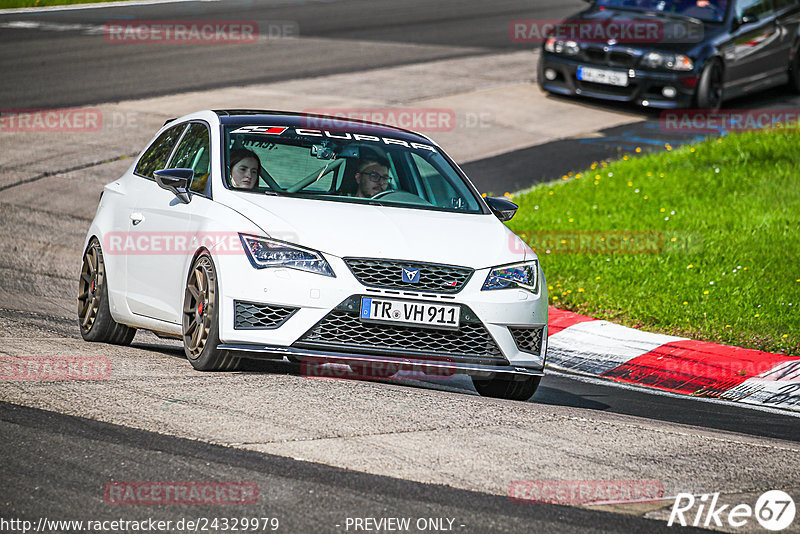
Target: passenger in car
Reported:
point(372, 177)
point(245, 168)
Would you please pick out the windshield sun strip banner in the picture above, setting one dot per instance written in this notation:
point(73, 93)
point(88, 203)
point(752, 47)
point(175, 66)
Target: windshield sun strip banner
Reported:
point(345, 136)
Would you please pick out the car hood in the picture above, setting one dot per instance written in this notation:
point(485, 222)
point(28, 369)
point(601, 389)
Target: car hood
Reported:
point(361, 230)
point(667, 25)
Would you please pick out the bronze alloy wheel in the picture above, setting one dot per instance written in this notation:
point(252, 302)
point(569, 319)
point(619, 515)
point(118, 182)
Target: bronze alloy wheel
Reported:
point(93, 275)
point(198, 308)
point(201, 320)
point(94, 315)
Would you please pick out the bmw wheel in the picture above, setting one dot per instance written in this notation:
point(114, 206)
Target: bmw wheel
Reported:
point(201, 319)
point(94, 314)
point(520, 390)
point(710, 87)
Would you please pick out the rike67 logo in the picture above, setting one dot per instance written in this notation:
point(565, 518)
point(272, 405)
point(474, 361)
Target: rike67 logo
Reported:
point(774, 510)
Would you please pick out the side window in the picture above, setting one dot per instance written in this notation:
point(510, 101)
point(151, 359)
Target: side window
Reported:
point(759, 8)
point(194, 153)
point(155, 157)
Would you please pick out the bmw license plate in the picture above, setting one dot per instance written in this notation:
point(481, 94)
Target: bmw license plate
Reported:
point(428, 314)
point(608, 77)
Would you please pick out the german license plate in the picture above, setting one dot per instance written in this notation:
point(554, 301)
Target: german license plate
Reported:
point(608, 77)
point(427, 314)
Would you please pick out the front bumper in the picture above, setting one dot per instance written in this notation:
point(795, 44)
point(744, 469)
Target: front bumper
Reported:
point(644, 87)
point(269, 312)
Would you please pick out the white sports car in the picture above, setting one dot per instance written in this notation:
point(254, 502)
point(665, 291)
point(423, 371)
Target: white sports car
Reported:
point(259, 234)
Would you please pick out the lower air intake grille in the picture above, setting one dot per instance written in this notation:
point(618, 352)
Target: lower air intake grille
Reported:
point(344, 331)
point(528, 339)
point(252, 315)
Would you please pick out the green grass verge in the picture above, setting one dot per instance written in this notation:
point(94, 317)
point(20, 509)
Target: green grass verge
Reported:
point(8, 4)
point(717, 230)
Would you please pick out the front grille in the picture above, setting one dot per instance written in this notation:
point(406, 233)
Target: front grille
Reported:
point(527, 339)
point(252, 315)
point(388, 274)
point(343, 330)
point(610, 57)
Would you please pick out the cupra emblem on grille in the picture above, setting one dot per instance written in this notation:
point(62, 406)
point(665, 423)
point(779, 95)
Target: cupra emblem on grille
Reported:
point(410, 276)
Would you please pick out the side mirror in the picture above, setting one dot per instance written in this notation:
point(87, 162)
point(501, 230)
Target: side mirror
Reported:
point(502, 208)
point(177, 181)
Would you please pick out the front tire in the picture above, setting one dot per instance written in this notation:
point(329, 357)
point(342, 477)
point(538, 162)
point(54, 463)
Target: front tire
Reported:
point(201, 319)
point(709, 94)
point(94, 315)
point(500, 388)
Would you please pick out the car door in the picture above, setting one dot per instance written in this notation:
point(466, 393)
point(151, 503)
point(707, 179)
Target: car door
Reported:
point(753, 54)
point(159, 226)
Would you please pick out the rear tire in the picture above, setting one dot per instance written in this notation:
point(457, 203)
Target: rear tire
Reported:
point(201, 319)
point(94, 315)
point(709, 94)
point(500, 388)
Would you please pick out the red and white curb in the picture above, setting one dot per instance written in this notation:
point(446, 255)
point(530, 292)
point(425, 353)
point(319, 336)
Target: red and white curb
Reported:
point(587, 346)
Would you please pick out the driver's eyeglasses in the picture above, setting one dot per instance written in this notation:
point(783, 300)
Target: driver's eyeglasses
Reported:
point(376, 177)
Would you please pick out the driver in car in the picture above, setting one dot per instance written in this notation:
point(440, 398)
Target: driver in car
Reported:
point(372, 177)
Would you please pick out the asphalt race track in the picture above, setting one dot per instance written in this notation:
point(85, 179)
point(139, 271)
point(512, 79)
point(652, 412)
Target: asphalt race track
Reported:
point(323, 451)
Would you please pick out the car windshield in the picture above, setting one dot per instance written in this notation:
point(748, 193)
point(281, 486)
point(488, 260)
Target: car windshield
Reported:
point(707, 10)
point(344, 167)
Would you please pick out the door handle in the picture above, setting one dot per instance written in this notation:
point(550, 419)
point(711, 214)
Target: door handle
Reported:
point(136, 217)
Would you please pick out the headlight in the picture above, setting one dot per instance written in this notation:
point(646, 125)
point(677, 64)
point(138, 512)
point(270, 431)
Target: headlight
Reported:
point(556, 46)
point(264, 253)
point(657, 60)
point(523, 275)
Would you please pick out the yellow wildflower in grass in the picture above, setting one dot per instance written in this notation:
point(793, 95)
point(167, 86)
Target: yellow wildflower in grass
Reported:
point(550, 288)
point(597, 278)
point(663, 210)
point(571, 219)
point(668, 146)
point(690, 266)
point(705, 292)
point(661, 175)
point(630, 184)
point(674, 239)
point(638, 149)
point(580, 290)
point(564, 177)
point(685, 303)
point(756, 315)
point(785, 335)
point(646, 197)
point(727, 326)
point(550, 193)
point(569, 291)
point(691, 149)
point(555, 297)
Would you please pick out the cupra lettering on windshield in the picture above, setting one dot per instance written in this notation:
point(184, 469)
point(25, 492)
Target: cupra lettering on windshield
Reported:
point(280, 130)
